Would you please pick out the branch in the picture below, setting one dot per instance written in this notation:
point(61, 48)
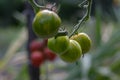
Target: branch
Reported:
point(84, 19)
point(35, 6)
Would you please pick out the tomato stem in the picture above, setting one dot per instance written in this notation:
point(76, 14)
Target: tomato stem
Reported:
point(85, 17)
point(61, 33)
point(35, 6)
point(82, 4)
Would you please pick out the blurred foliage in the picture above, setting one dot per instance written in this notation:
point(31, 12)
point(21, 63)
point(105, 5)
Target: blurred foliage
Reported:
point(13, 53)
point(104, 57)
point(22, 75)
point(7, 10)
point(6, 40)
point(68, 10)
point(106, 7)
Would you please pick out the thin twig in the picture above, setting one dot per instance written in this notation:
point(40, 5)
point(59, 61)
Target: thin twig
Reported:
point(81, 4)
point(35, 6)
point(39, 6)
point(84, 19)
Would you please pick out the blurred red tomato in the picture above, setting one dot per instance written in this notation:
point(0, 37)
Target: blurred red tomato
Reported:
point(36, 46)
point(37, 58)
point(49, 54)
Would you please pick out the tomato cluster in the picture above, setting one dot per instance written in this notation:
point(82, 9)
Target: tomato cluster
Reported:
point(70, 49)
point(40, 53)
point(46, 25)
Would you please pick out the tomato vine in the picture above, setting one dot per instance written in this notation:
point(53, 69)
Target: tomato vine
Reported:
point(86, 3)
point(85, 18)
point(72, 50)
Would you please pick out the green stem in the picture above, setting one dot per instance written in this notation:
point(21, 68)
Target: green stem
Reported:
point(81, 4)
point(84, 19)
point(35, 6)
point(61, 33)
point(89, 8)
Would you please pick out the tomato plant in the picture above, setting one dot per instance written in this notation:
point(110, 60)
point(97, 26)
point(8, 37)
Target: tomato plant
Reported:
point(84, 41)
point(46, 23)
point(59, 44)
point(73, 53)
point(69, 47)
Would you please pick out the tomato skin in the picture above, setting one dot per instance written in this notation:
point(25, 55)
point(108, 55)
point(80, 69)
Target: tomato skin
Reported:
point(37, 58)
point(59, 44)
point(49, 54)
point(73, 53)
point(46, 24)
point(36, 46)
point(84, 41)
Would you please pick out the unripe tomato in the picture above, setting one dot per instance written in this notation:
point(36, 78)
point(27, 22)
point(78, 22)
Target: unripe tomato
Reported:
point(73, 53)
point(37, 58)
point(49, 54)
point(84, 40)
point(36, 45)
point(46, 23)
point(59, 44)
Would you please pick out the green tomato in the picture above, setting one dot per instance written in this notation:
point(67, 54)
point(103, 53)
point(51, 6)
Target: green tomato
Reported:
point(73, 53)
point(84, 41)
point(59, 44)
point(46, 24)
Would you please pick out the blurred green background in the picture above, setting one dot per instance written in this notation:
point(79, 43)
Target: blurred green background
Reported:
point(102, 62)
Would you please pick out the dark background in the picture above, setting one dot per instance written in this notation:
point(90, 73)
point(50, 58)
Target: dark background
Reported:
point(68, 10)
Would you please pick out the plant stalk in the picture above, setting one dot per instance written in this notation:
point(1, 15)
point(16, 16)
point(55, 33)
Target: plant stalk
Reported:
point(84, 19)
point(34, 72)
point(35, 6)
